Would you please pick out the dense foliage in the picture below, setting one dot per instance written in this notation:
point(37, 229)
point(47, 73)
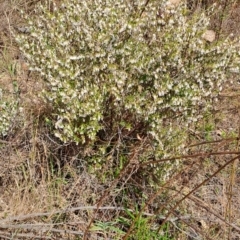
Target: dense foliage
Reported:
point(112, 65)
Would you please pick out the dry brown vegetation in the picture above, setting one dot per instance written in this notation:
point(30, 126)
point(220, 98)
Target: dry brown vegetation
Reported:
point(48, 191)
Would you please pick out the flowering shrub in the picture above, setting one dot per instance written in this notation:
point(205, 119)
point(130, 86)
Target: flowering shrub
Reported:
point(143, 63)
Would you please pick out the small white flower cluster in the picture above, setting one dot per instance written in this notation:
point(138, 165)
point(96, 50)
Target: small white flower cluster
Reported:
point(8, 109)
point(151, 61)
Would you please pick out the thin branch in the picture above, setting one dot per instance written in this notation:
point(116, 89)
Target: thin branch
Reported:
point(4, 142)
point(67, 210)
point(198, 186)
point(42, 228)
point(203, 205)
point(197, 230)
point(131, 165)
point(22, 235)
point(200, 154)
point(144, 8)
point(151, 199)
point(216, 141)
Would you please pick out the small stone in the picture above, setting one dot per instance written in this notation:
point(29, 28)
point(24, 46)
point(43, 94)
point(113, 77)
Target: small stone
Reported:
point(174, 3)
point(209, 35)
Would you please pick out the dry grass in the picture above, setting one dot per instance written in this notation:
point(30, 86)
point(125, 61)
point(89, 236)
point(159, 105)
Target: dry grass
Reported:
point(47, 190)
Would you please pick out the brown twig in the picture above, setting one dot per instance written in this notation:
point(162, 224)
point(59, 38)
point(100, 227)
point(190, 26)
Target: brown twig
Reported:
point(4, 235)
point(229, 214)
point(215, 141)
point(200, 154)
point(130, 166)
point(4, 142)
point(150, 200)
point(197, 230)
point(144, 8)
point(197, 187)
point(203, 205)
point(40, 227)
